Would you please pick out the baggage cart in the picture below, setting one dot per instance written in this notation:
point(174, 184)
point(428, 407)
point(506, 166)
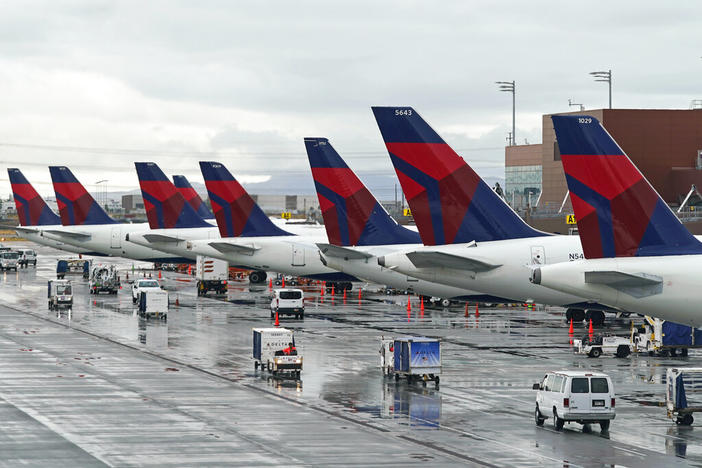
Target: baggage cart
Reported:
point(683, 395)
point(269, 345)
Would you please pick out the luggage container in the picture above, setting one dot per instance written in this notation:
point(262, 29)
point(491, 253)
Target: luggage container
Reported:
point(274, 350)
point(683, 395)
point(153, 302)
point(417, 358)
point(60, 294)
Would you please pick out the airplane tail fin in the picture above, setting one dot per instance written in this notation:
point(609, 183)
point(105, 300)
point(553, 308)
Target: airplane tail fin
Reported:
point(192, 197)
point(237, 214)
point(352, 215)
point(449, 201)
point(32, 210)
point(619, 214)
point(76, 205)
point(166, 207)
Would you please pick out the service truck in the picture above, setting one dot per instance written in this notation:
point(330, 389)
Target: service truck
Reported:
point(103, 278)
point(663, 338)
point(274, 350)
point(9, 260)
point(60, 293)
point(153, 303)
point(603, 344)
point(212, 275)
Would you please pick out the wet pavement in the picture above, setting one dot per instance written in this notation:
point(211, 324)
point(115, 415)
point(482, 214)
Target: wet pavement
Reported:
point(101, 386)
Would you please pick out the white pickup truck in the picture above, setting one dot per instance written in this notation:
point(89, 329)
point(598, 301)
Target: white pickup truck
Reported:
point(603, 344)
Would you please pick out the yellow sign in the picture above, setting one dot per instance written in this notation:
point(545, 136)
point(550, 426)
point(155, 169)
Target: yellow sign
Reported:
point(570, 219)
point(286, 215)
point(406, 212)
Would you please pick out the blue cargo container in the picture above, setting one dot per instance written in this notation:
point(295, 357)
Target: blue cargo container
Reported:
point(417, 358)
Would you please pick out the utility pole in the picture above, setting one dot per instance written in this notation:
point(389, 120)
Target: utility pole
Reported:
point(509, 87)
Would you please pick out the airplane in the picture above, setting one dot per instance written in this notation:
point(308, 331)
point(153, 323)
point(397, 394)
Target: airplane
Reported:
point(87, 225)
point(359, 229)
point(472, 238)
point(34, 214)
point(638, 255)
point(250, 239)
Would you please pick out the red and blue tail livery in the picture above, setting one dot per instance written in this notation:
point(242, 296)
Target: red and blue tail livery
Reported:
point(76, 205)
point(450, 203)
point(181, 183)
point(166, 207)
point(352, 215)
point(619, 214)
point(32, 210)
point(237, 214)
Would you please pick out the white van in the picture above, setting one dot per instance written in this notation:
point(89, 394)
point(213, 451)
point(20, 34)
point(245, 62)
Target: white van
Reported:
point(8, 260)
point(288, 301)
point(27, 257)
point(575, 396)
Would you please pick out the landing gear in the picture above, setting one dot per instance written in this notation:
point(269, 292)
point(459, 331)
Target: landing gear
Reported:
point(597, 317)
point(257, 277)
point(578, 315)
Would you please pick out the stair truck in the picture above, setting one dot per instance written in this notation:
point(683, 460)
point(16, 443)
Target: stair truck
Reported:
point(60, 294)
point(662, 338)
point(683, 396)
point(103, 278)
point(212, 275)
point(416, 358)
point(153, 303)
point(274, 350)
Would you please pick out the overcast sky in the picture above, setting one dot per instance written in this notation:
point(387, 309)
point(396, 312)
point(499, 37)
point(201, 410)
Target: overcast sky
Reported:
point(103, 84)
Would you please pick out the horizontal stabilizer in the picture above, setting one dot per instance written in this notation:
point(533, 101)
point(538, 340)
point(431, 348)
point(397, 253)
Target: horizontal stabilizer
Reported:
point(26, 230)
point(445, 260)
point(226, 247)
point(634, 284)
point(343, 252)
point(162, 238)
point(72, 235)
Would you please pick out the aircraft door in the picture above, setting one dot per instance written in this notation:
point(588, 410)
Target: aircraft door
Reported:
point(538, 255)
point(116, 238)
point(298, 255)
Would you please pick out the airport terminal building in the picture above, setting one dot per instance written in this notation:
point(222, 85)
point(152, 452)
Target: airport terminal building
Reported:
point(666, 145)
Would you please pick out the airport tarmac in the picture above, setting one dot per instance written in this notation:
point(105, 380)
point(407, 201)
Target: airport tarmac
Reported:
point(102, 386)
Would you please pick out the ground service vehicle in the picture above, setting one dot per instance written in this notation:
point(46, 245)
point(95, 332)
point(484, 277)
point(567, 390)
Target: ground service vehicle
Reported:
point(414, 357)
point(153, 302)
point(212, 275)
point(274, 350)
point(603, 344)
point(681, 403)
point(288, 302)
point(575, 396)
point(663, 338)
point(143, 284)
point(60, 294)
point(9, 260)
point(103, 278)
point(26, 257)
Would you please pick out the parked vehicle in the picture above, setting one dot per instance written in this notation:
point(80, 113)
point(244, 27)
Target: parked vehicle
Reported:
point(575, 396)
point(61, 269)
point(663, 338)
point(212, 275)
point(143, 284)
point(416, 358)
point(682, 396)
point(288, 302)
point(27, 257)
point(8, 260)
point(60, 294)
point(153, 302)
point(274, 350)
point(103, 278)
point(603, 344)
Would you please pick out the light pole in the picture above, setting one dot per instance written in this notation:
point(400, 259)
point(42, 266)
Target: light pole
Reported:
point(509, 87)
point(605, 77)
point(101, 199)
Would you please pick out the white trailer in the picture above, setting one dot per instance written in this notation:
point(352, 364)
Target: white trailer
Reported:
point(212, 275)
point(274, 350)
point(153, 302)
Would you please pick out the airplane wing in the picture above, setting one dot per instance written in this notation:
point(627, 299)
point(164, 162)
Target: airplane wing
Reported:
point(71, 234)
point(634, 284)
point(162, 238)
point(342, 252)
point(430, 259)
point(226, 247)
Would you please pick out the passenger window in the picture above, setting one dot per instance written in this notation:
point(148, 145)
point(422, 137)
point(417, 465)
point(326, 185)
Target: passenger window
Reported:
point(599, 385)
point(580, 385)
point(549, 383)
point(557, 383)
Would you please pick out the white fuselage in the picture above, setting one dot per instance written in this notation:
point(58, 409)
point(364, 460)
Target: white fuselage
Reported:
point(107, 239)
point(368, 269)
point(509, 280)
point(678, 300)
point(34, 234)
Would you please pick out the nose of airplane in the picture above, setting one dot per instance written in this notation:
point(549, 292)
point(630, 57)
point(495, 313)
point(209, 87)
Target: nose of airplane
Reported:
point(381, 260)
point(535, 276)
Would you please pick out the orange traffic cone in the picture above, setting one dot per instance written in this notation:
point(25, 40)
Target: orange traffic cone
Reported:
point(190, 269)
point(277, 321)
point(570, 329)
point(466, 314)
point(177, 301)
point(127, 276)
point(359, 293)
point(321, 291)
point(477, 312)
point(590, 331)
point(270, 283)
point(283, 283)
point(421, 303)
point(159, 274)
point(409, 304)
point(344, 295)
